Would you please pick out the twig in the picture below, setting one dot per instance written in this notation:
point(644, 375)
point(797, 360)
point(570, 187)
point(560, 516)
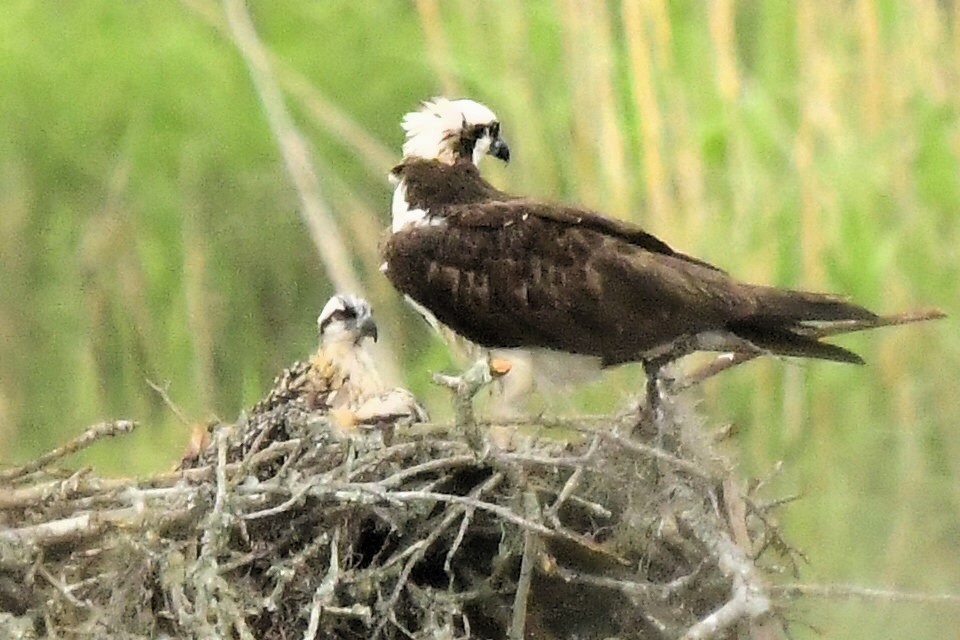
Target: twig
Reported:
point(85, 439)
point(531, 552)
point(577, 462)
point(286, 505)
point(165, 396)
point(457, 541)
point(570, 485)
point(417, 550)
point(833, 591)
point(656, 454)
point(84, 526)
point(323, 595)
point(205, 569)
point(79, 487)
point(217, 520)
point(749, 599)
point(465, 387)
point(595, 508)
point(440, 464)
point(891, 320)
point(718, 365)
point(64, 590)
point(287, 570)
point(500, 511)
point(221, 474)
point(400, 509)
point(226, 604)
point(627, 587)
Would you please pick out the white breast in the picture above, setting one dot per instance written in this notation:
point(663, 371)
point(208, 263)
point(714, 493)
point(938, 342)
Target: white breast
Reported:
point(403, 215)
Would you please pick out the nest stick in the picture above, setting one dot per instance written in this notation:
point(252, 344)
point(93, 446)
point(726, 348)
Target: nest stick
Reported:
point(531, 551)
point(85, 439)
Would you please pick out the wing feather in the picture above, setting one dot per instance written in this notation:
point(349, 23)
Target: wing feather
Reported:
point(508, 274)
point(466, 195)
point(512, 272)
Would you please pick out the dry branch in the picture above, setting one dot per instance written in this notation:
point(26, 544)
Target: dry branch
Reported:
point(85, 439)
point(856, 592)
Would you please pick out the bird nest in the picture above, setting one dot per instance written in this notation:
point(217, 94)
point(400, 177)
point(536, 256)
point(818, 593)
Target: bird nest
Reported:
point(577, 528)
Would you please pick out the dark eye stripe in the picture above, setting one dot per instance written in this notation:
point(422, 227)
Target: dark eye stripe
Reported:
point(343, 314)
point(339, 315)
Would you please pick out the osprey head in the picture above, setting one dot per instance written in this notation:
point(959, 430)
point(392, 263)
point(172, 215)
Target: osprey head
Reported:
point(450, 130)
point(346, 317)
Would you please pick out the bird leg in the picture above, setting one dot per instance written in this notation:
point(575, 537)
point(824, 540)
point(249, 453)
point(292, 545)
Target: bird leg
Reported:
point(652, 411)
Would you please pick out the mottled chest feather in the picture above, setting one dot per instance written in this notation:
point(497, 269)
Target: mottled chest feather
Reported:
point(339, 376)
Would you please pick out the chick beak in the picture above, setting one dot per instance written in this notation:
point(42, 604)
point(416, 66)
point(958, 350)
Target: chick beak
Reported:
point(368, 329)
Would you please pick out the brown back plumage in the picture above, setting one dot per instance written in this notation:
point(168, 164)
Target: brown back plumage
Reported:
point(515, 272)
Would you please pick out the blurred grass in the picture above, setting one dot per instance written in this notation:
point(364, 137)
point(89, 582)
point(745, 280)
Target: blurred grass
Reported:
point(148, 230)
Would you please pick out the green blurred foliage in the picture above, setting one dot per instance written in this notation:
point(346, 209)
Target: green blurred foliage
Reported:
point(148, 229)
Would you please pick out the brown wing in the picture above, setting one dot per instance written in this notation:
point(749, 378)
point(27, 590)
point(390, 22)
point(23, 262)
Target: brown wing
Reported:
point(613, 227)
point(525, 274)
point(515, 272)
point(520, 273)
point(462, 192)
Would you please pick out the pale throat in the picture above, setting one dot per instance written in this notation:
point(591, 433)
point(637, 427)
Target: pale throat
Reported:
point(356, 362)
point(480, 149)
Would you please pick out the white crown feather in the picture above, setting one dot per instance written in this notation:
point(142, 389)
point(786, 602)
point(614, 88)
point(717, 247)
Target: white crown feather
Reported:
point(433, 130)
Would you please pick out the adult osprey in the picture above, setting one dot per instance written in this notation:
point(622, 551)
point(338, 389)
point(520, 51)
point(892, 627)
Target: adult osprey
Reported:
point(507, 271)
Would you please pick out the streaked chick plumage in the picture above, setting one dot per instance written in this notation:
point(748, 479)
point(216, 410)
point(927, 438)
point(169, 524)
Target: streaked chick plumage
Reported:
point(341, 379)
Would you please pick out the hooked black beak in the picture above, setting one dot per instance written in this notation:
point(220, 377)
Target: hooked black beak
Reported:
point(368, 329)
point(499, 149)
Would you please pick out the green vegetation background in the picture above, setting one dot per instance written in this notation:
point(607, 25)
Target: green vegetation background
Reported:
point(148, 229)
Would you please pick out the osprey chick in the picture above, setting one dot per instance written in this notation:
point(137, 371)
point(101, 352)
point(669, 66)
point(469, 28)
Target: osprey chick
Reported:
point(339, 385)
point(506, 271)
point(341, 378)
